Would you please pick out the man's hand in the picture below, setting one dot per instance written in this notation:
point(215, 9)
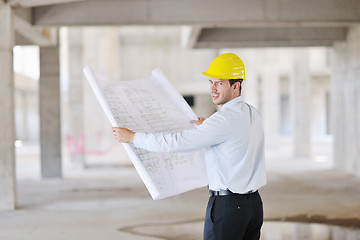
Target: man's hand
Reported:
point(123, 135)
point(199, 121)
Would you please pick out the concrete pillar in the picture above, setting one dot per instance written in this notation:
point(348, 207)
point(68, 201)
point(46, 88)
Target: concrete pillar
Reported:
point(346, 103)
point(7, 121)
point(338, 75)
point(300, 102)
point(357, 124)
point(21, 115)
point(271, 108)
point(76, 102)
point(302, 231)
point(25, 118)
point(251, 87)
point(49, 100)
point(96, 129)
point(347, 124)
point(353, 100)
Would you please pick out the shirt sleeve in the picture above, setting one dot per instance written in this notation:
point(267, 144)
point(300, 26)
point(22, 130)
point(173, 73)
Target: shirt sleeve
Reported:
point(212, 131)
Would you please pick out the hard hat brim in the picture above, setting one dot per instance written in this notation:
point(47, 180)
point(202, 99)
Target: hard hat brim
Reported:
point(211, 75)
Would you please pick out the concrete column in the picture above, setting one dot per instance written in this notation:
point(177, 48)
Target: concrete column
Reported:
point(21, 115)
point(348, 127)
point(251, 87)
point(338, 75)
point(7, 120)
point(300, 102)
point(353, 100)
point(25, 118)
point(271, 108)
point(76, 101)
point(97, 128)
point(357, 124)
point(346, 103)
point(302, 231)
point(50, 125)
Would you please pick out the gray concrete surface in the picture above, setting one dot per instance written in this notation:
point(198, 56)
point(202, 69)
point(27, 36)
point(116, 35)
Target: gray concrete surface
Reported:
point(107, 202)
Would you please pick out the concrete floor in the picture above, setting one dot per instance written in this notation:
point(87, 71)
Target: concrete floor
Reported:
point(107, 202)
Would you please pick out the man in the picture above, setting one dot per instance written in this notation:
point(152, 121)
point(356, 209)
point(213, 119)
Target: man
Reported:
point(234, 142)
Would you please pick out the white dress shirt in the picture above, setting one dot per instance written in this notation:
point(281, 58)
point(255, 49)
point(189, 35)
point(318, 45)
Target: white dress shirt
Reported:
point(234, 142)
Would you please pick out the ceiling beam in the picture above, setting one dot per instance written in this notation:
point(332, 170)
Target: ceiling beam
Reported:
point(37, 3)
point(270, 37)
point(26, 34)
point(210, 13)
point(264, 44)
point(189, 36)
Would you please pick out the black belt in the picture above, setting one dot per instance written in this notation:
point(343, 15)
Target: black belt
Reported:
point(226, 193)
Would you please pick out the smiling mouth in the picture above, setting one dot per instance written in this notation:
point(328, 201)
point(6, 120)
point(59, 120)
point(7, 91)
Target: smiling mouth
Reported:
point(214, 96)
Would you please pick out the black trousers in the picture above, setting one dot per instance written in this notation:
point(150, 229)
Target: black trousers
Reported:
point(234, 217)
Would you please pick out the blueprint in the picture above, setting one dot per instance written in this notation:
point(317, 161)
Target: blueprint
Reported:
point(153, 105)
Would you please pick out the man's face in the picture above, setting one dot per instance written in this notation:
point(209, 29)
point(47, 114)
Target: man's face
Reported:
point(221, 91)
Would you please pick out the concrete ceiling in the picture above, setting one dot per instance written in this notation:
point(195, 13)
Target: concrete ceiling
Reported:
point(213, 23)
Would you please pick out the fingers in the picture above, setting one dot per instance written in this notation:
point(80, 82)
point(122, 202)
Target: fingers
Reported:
point(199, 121)
point(123, 134)
point(117, 131)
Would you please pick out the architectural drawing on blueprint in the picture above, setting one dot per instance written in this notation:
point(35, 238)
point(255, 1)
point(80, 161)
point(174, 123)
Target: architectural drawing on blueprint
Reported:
point(153, 105)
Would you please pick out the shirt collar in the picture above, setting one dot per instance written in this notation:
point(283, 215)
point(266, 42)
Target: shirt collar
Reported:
point(232, 102)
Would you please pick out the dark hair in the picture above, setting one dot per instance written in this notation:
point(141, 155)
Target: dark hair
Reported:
point(232, 81)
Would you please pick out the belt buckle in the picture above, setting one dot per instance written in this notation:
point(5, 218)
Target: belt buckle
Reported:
point(213, 193)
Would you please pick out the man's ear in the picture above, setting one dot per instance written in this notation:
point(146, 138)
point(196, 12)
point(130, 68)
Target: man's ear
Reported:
point(236, 85)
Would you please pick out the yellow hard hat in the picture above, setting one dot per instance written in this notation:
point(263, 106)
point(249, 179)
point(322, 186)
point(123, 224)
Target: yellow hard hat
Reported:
point(226, 66)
